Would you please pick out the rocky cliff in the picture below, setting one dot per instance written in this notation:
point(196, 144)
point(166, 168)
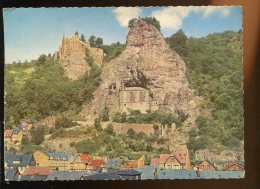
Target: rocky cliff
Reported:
point(72, 56)
point(146, 52)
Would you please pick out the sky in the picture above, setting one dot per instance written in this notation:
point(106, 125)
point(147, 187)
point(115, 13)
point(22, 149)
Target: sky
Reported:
point(30, 32)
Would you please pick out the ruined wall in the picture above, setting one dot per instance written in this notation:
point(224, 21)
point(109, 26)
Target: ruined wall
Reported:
point(72, 56)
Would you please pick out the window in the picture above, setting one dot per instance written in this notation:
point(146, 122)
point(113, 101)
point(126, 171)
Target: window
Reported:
point(132, 97)
point(141, 97)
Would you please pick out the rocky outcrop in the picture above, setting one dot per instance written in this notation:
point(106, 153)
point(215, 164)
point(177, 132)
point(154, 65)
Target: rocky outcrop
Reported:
point(147, 52)
point(72, 56)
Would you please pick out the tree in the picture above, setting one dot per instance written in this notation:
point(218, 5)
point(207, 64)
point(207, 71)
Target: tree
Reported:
point(109, 129)
point(131, 133)
point(82, 38)
point(104, 116)
point(92, 41)
point(99, 42)
point(178, 42)
point(42, 59)
point(97, 124)
point(37, 134)
point(77, 33)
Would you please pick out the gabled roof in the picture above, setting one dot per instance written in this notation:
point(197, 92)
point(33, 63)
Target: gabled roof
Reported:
point(20, 160)
point(35, 170)
point(85, 158)
point(66, 175)
point(236, 164)
point(96, 163)
point(8, 156)
point(209, 162)
point(163, 158)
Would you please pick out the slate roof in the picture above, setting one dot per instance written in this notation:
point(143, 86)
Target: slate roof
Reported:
point(29, 178)
point(58, 155)
point(66, 175)
point(10, 173)
point(104, 176)
point(16, 131)
point(8, 157)
point(114, 175)
point(23, 160)
point(148, 173)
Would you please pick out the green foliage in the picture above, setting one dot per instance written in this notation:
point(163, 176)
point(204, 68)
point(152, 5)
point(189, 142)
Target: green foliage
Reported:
point(92, 41)
point(37, 134)
point(178, 42)
point(88, 57)
point(97, 124)
point(104, 116)
point(45, 90)
point(150, 20)
point(87, 146)
point(30, 148)
point(214, 70)
point(112, 51)
point(109, 129)
point(64, 122)
point(82, 38)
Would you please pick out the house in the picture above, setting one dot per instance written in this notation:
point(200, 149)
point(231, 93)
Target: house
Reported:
point(21, 161)
point(178, 160)
point(115, 175)
point(134, 164)
point(66, 175)
point(10, 173)
point(155, 162)
point(95, 164)
point(27, 124)
point(8, 133)
point(17, 135)
point(79, 162)
point(8, 158)
point(112, 164)
point(35, 170)
point(41, 158)
point(59, 161)
point(234, 167)
point(206, 165)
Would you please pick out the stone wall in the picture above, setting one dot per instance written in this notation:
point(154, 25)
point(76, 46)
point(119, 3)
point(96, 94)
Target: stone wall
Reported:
point(122, 128)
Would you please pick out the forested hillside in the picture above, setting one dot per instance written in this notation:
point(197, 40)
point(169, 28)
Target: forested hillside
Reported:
point(215, 71)
point(40, 88)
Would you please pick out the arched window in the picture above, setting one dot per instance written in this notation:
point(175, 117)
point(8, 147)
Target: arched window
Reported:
point(132, 97)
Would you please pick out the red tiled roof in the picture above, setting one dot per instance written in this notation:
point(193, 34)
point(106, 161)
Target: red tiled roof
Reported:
point(8, 133)
point(85, 158)
point(96, 163)
point(37, 171)
point(163, 158)
point(231, 164)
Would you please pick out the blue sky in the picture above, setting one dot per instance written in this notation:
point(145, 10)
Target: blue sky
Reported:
point(30, 32)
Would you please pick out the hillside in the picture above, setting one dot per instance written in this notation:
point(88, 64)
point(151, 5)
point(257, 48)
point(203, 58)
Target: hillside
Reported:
point(198, 96)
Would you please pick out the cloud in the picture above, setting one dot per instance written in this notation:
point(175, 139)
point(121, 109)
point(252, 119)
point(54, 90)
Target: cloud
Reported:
point(124, 14)
point(172, 17)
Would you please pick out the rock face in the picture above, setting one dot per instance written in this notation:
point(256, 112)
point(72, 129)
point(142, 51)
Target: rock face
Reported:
point(147, 53)
point(72, 56)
